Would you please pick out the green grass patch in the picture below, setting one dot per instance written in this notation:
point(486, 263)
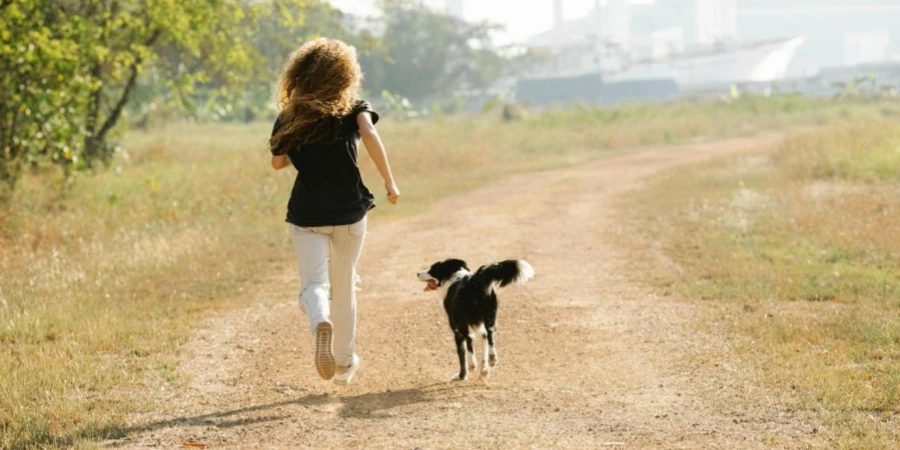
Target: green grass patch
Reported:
point(803, 240)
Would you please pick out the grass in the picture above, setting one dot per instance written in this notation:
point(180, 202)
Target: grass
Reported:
point(102, 277)
point(801, 246)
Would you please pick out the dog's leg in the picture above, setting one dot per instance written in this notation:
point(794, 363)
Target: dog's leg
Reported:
point(485, 366)
point(461, 351)
point(492, 357)
point(473, 363)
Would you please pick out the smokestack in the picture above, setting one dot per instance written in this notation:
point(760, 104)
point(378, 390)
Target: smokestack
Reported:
point(558, 15)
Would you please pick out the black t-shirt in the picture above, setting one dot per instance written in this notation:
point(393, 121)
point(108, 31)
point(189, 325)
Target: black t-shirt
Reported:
point(329, 189)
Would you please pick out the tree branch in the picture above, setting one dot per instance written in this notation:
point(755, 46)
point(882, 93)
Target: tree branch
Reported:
point(94, 109)
point(116, 112)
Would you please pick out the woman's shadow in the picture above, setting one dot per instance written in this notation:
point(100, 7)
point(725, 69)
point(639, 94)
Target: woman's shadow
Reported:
point(375, 405)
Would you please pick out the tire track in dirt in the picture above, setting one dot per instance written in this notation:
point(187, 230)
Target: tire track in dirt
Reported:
point(587, 358)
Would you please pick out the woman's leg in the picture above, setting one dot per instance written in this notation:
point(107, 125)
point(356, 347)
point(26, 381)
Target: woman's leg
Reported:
point(311, 249)
point(346, 246)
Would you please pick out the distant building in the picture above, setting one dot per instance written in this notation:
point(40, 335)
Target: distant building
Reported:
point(455, 8)
point(614, 22)
point(639, 42)
point(667, 42)
point(835, 30)
point(866, 47)
point(716, 21)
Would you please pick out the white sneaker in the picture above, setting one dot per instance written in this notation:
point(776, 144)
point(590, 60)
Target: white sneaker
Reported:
point(344, 375)
point(324, 358)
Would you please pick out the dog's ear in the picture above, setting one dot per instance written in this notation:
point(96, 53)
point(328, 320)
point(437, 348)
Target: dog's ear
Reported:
point(458, 264)
point(445, 269)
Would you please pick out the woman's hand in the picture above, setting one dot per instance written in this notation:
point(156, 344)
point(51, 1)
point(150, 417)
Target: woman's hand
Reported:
point(393, 193)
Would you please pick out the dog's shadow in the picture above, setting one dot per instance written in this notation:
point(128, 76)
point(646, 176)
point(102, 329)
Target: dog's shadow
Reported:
point(379, 405)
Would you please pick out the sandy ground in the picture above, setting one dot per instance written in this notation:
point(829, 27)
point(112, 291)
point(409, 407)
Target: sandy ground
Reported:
point(588, 359)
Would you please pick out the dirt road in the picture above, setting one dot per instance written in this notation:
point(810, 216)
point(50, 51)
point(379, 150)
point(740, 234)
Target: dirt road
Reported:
point(588, 359)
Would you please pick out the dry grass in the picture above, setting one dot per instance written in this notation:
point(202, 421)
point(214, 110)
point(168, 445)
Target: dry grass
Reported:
point(99, 286)
point(801, 246)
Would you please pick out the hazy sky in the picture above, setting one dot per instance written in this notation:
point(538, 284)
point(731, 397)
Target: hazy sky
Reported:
point(522, 18)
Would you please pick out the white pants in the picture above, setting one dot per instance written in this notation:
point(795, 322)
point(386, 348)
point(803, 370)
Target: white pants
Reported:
point(326, 258)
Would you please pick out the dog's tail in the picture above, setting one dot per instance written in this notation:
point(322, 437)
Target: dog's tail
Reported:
point(504, 273)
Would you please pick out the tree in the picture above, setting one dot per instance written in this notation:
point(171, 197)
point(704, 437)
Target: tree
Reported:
point(70, 67)
point(428, 54)
point(42, 87)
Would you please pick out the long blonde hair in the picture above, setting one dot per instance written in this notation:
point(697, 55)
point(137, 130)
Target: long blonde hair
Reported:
point(319, 86)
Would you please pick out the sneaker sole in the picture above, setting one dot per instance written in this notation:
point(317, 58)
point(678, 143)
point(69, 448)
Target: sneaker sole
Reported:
point(324, 356)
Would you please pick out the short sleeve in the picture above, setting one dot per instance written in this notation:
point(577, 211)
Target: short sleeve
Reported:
point(277, 125)
point(364, 106)
point(275, 129)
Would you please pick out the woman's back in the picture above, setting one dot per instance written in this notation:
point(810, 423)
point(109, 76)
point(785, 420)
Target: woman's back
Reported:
point(329, 189)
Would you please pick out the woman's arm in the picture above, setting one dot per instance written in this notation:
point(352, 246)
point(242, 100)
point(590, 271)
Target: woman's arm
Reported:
point(376, 150)
point(280, 162)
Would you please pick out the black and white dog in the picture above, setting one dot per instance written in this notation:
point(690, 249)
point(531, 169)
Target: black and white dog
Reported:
point(471, 303)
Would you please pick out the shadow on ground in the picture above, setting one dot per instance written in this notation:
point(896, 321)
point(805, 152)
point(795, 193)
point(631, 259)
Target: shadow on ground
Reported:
point(375, 405)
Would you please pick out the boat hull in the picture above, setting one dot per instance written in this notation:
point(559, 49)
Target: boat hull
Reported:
point(760, 63)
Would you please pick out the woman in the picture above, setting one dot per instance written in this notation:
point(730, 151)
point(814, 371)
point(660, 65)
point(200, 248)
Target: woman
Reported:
point(322, 120)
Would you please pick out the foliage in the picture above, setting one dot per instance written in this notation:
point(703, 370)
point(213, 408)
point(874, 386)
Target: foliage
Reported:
point(399, 107)
point(42, 87)
point(76, 65)
point(427, 55)
point(512, 112)
point(80, 66)
point(864, 85)
point(243, 93)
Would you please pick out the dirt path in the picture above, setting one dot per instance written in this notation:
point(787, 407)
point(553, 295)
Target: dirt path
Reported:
point(587, 359)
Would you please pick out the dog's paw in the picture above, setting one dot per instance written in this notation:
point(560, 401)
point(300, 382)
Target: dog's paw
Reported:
point(473, 366)
point(459, 377)
point(493, 359)
point(485, 371)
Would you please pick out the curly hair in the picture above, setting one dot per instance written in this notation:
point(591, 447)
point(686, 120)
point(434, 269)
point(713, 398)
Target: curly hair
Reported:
point(319, 86)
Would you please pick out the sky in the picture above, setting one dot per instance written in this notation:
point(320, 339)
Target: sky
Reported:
point(522, 18)
point(525, 18)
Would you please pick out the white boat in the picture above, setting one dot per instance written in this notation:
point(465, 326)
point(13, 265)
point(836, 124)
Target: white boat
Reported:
point(762, 62)
point(716, 59)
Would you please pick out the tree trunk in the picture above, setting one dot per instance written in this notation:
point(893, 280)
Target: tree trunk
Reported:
point(10, 161)
point(93, 113)
point(95, 144)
